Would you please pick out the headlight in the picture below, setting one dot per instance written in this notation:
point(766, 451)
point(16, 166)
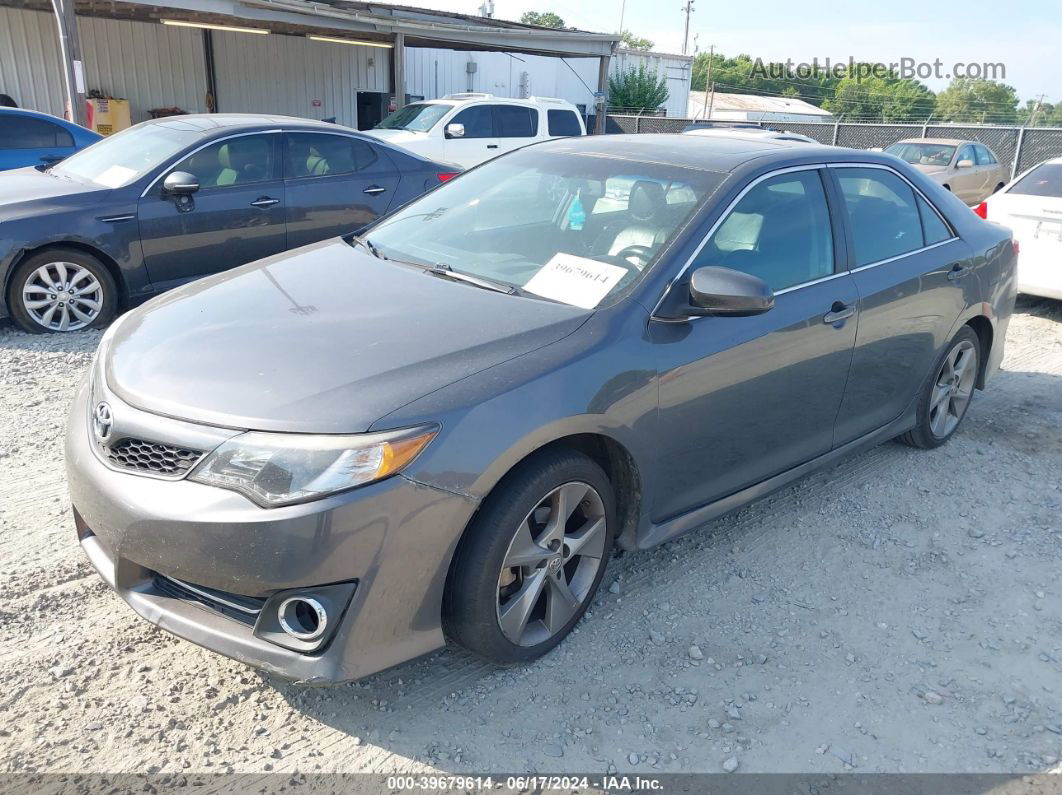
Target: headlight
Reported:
point(284, 468)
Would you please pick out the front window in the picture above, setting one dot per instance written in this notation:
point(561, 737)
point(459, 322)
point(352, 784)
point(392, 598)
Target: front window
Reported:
point(1044, 180)
point(125, 157)
point(572, 228)
point(418, 117)
point(923, 154)
point(233, 162)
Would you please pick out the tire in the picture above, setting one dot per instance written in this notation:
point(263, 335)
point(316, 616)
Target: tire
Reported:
point(947, 391)
point(511, 614)
point(86, 294)
point(998, 188)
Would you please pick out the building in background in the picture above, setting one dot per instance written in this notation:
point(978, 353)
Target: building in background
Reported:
point(751, 107)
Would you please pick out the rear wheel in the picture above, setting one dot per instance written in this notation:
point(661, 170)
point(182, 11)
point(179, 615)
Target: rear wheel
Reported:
point(532, 560)
point(946, 397)
point(62, 290)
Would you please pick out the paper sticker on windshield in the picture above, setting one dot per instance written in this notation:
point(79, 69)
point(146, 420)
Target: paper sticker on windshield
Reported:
point(575, 280)
point(115, 176)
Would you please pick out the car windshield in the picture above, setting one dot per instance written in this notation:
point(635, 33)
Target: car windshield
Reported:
point(923, 154)
point(418, 117)
point(1044, 180)
point(126, 156)
point(572, 228)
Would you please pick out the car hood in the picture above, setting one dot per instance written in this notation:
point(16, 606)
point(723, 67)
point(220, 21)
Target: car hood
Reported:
point(27, 190)
point(323, 339)
point(400, 137)
point(930, 171)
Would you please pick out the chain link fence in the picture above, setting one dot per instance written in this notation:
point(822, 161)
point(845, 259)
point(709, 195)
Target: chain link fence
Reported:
point(1016, 147)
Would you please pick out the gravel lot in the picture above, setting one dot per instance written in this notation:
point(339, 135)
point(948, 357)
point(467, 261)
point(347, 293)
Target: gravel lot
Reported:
point(899, 612)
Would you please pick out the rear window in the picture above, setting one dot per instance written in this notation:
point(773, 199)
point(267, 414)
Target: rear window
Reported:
point(563, 122)
point(18, 132)
point(512, 121)
point(1044, 180)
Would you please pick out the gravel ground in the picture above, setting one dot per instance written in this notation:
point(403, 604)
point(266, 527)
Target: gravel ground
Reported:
point(898, 612)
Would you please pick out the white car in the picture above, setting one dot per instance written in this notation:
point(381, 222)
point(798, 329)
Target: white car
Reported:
point(1031, 206)
point(758, 134)
point(467, 129)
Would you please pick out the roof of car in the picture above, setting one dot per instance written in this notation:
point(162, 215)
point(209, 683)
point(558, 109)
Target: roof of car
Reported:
point(945, 141)
point(34, 114)
point(703, 152)
point(211, 122)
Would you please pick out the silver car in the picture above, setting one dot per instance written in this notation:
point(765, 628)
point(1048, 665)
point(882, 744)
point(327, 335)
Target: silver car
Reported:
point(968, 169)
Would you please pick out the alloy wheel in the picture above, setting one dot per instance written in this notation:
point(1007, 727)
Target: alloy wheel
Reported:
point(62, 296)
point(953, 388)
point(551, 564)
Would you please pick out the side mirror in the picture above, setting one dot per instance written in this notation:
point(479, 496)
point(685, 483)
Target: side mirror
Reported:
point(454, 130)
point(180, 183)
point(964, 164)
point(727, 292)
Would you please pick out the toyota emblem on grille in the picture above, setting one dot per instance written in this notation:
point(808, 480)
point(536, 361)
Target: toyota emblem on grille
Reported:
point(102, 420)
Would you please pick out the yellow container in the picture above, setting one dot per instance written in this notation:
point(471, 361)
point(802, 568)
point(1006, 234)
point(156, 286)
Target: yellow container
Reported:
point(107, 116)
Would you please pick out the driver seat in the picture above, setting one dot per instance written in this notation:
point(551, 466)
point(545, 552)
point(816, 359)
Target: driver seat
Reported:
point(647, 206)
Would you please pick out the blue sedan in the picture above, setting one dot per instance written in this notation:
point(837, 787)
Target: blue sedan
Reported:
point(170, 200)
point(28, 138)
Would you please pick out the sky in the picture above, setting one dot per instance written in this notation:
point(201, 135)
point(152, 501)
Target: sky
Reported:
point(1023, 35)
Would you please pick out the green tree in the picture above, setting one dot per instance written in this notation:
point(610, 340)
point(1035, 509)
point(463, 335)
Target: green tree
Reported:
point(544, 19)
point(632, 42)
point(880, 99)
point(978, 102)
point(638, 89)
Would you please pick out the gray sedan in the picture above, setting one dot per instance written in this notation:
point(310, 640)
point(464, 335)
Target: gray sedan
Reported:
point(171, 200)
point(326, 462)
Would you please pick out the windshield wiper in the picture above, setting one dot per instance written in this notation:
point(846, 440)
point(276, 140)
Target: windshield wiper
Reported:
point(446, 272)
point(364, 241)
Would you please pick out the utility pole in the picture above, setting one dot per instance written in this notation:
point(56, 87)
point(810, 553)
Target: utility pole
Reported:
point(708, 85)
point(623, 11)
point(73, 69)
point(687, 9)
point(1036, 111)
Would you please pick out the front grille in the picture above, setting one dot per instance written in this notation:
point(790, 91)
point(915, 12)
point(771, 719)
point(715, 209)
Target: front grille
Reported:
point(140, 455)
point(244, 609)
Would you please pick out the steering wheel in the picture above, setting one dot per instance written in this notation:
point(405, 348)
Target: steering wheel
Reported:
point(644, 253)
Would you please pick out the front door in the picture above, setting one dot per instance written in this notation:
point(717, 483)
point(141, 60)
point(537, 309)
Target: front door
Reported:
point(743, 399)
point(914, 278)
point(236, 216)
point(334, 184)
point(479, 141)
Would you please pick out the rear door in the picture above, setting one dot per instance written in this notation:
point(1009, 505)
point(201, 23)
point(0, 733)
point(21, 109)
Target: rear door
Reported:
point(334, 184)
point(914, 277)
point(236, 216)
point(479, 142)
point(29, 141)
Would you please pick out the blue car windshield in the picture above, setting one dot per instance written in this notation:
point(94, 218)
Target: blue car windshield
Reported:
point(569, 227)
point(125, 157)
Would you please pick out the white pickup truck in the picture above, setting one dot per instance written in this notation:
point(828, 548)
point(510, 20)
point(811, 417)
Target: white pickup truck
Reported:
point(466, 129)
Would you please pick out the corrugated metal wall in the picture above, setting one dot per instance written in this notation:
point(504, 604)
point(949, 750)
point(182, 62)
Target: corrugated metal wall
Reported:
point(676, 69)
point(150, 65)
point(285, 74)
point(29, 60)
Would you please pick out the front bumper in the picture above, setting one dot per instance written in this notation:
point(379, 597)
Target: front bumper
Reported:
point(395, 538)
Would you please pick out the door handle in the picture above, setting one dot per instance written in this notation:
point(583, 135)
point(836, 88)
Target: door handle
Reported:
point(957, 272)
point(265, 201)
point(838, 312)
point(492, 146)
point(373, 190)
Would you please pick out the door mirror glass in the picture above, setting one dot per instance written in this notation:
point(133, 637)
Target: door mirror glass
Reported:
point(964, 164)
point(180, 183)
point(724, 291)
point(455, 130)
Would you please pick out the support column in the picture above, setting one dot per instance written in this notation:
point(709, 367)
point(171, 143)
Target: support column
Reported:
point(73, 68)
point(398, 71)
point(602, 89)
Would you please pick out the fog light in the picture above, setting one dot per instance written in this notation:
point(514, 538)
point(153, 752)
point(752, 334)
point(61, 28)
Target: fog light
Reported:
point(303, 618)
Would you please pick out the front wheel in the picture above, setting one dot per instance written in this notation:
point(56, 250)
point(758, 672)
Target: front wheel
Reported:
point(62, 290)
point(946, 397)
point(532, 559)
